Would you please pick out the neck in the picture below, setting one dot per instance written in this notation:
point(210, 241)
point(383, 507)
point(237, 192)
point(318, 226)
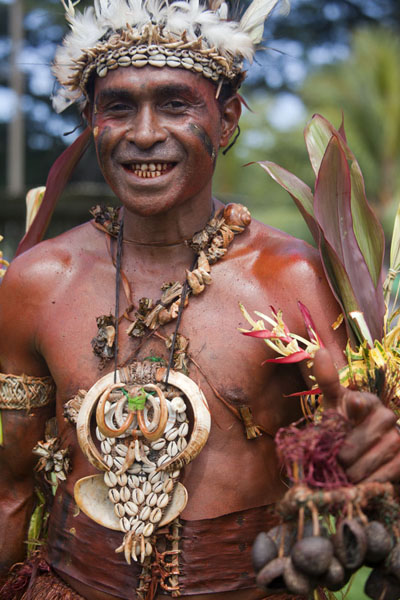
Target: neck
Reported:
point(172, 228)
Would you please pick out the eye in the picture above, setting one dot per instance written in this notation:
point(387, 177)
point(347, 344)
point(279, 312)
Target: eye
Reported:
point(175, 105)
point(118, 107)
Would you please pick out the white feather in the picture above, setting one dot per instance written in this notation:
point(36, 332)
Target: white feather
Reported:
point(252, 22)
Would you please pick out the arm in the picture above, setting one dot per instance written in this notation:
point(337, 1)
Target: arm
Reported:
point(22, 428)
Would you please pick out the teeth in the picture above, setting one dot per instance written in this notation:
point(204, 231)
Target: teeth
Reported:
point(146, 170)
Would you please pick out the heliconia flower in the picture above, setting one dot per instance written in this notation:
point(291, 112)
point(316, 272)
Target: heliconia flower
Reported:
point(290, 358)
point(314, 392)
point(267, 334)
point(309, 323)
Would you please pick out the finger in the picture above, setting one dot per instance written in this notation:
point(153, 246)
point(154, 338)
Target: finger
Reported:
point(328, 379)
point(376, 458)
point(364, 436)
point(387, 472)
point(358, 405)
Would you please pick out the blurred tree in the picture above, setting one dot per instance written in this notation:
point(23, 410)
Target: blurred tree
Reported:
point(366, 87)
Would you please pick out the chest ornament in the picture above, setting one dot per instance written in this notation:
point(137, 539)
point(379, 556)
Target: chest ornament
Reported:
point(142, 441)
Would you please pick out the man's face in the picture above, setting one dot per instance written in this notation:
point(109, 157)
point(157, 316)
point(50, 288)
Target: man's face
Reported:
point(157, 134)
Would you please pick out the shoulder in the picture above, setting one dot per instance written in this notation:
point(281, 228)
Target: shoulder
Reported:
point(271, 253)
point(52, 261)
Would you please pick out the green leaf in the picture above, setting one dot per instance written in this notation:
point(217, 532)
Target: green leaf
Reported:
point(366, 226)
point(299, 191)
point(317, 135)
point(332, 205)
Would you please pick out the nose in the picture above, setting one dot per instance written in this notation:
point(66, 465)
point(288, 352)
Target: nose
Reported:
point(146, 129)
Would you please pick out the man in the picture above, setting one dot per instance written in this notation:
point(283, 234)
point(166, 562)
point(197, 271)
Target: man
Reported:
point(167, 121)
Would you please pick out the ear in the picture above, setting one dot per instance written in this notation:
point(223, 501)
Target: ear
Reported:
point(230, 117)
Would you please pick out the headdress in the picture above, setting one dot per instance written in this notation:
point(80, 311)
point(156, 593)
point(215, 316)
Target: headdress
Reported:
point(180, 33)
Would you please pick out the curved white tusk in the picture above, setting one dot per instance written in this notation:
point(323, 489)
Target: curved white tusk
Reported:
point(202, 419)
point(160, 414)
point(83, 422)
point(100, 416)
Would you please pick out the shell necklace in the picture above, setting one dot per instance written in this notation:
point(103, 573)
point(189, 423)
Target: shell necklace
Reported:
point(142, 430)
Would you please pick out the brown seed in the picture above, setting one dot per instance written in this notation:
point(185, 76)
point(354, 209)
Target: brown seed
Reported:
point(264, 550)
point(289, 537)
point(296, 581)
point(312, 555)
point(379, 543)
point(271, 576)
point(350, 543)
point(382, 586)
point(335, 577)
point(394, 562)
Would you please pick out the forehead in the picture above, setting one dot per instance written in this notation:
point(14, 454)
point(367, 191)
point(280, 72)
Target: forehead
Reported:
point(152, 80)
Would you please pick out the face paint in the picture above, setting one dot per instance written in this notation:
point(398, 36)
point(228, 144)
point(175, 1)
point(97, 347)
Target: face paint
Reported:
point(101, 143)
point(204, 138)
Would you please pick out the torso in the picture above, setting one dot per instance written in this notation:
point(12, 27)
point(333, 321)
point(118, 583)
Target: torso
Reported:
point(73, 285)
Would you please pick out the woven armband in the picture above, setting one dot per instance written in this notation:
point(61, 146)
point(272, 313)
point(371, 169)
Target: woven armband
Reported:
point(19, 392)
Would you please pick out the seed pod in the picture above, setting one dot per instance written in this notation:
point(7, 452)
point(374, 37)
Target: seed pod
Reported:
point(335, 577)
point(379, 543)
point(296, 581)
point(288, 534)
point(380, 585)
point(312, 555)
point(271, 576)
point(264, 550)
point(393, 563)
point(350, 543)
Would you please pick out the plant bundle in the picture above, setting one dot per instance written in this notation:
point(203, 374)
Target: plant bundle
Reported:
point(330, 527)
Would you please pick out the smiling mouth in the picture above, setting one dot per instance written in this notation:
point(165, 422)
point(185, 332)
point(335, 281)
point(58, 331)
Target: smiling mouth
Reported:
point(150, 170)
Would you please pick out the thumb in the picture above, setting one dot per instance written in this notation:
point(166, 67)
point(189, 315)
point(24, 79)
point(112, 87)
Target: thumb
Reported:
point(327, 378)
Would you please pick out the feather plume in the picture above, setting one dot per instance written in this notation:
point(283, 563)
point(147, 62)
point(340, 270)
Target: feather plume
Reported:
point(252, 22)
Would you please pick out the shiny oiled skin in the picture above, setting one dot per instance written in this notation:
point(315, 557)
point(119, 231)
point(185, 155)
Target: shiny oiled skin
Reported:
point(51, 296)
point(59, 289)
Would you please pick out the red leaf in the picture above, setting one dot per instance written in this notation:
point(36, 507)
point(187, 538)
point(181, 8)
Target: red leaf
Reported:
point(309, 323)
point(332, 205)
point(57, 179)
point(312, 392)
point(267, 334)
point(292, 358)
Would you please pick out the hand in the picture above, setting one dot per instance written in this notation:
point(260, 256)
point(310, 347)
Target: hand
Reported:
point(371, 451)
